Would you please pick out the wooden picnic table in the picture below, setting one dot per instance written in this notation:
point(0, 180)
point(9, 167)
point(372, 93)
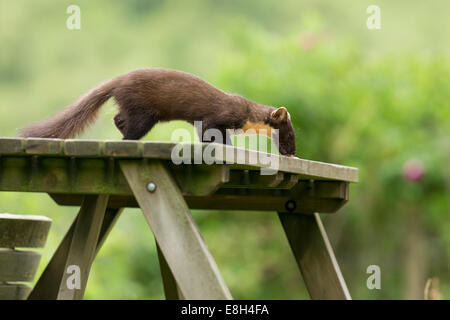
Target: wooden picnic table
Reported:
point(103, 177)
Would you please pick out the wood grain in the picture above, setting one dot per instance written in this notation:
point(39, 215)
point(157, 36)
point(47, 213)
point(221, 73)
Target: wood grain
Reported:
point(175, 231)
point(84, 244)
point(171, 290)
point(18, 265)
point(47, 287)
point(14, 291)
point(28, 231)
point(163, 150)
point(315, 257)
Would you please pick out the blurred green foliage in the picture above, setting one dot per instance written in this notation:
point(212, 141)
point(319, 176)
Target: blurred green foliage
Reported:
point(370, 99)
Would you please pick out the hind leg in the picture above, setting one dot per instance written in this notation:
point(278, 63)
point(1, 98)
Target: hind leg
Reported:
point(137, 125)
point(119, 121)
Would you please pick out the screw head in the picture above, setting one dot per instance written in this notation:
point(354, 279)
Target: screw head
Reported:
point(151, 187)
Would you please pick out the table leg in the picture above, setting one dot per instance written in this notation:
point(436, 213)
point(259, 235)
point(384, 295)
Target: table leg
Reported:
point(314, 255)
point(79, 246)
point(110, 219)
point(171, 289)
point(178, 237)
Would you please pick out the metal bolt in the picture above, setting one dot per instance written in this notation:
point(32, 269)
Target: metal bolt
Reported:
point(291, 205)
point(151, 187)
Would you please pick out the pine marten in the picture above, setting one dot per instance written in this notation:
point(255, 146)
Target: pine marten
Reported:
point(146, 96)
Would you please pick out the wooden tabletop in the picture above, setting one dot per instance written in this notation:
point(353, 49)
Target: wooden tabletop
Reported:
point(162, 150)
point(69, 168)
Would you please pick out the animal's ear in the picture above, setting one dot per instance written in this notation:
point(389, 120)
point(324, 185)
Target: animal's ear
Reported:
point(279, 115)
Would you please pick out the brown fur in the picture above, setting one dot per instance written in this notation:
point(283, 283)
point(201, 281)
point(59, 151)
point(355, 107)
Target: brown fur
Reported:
point(146, 96)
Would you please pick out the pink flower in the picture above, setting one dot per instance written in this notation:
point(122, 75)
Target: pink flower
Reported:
point(307, 40)
point(413, 170)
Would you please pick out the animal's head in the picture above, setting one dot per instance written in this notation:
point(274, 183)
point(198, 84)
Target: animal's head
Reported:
point(281, 120)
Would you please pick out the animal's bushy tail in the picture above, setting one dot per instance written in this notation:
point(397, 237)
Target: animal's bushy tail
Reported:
point(73, 119)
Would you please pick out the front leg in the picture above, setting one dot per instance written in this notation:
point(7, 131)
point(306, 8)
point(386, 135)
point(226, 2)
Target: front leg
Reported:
point(213, 133)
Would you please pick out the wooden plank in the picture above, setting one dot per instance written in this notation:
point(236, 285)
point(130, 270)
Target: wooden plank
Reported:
point(83, 148)
point(119, 149)
point(227, 154)
point(16, 291)
point(102, 176)
point(253, 202)
point(306, 169)
point(322, 189)
point(95, 176)
point(62, 175)
point(48, 284)
point(330, 189)
point(250, 202)
point(171, 290)
point(48, 147)
point(314, 256)
point(12, 146)
point(18, 265)
point(23, 230)
point(175, 231)
point(152, 150)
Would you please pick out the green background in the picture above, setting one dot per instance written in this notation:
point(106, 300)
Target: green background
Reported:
point(373, 99)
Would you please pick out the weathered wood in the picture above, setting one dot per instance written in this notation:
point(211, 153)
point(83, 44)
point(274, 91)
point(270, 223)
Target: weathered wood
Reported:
point(62, 175)
point(125, 149)
point(261, 202)
point(47, 287)
point(48, 284)
point(28, 231)
point(324, 189)
point(14, 291)
point(77, 248)
point(253, 179)
point(83, 148)
point(175, 231)
point(200, 180)
point(157, 150)
point(48, 147)
point(95, 176)
point(236, 199)
point(306, 169)
point(171, 290)
point(110, 219)
point(314, 256)
point(274, 180)
point(11, 146)
point(71, 169)
point(289, 182)
point(84, 244)
point(18, 265)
